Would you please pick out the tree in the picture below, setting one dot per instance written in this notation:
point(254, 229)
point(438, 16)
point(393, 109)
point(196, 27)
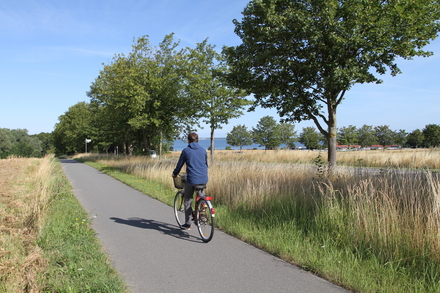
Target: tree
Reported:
point(265, 133)
point(431, 134)
point(216, 101)
point(47, 142)
point(348, 135)
point(24, 145)
point(400, 137)
point(6, 142)
point(385, 136)
point(287, 134)
point(73, 128)
point(366, 136)
point(310, 138)
point(415, 139)
point(140, 95)
point(301, 57)
point(239, 136)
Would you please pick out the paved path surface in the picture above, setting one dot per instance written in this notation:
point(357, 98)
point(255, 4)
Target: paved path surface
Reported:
point(149, 250)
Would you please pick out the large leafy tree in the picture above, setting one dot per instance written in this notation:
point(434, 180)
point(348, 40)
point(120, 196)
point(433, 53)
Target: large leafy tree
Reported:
point(73, 128)
point(18, 142)
point(25, 145)
point(366, 136)
point(348, 135)
point(287, 134)
point(302, 56)
point(415, 138)
point(47, 142)
point(385, 136)
point(431, 134)
point(6, 142)
point(400, 137)
point(266, 133)
point(112, 98)
point(139, 95)
point(239, 136)
point(215, 101)
point(310, 138)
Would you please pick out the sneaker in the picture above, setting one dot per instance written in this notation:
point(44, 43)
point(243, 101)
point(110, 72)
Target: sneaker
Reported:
point(186, 227)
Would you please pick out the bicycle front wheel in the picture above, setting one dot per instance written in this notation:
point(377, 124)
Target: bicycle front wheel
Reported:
point(179, 208)
point(205, 219)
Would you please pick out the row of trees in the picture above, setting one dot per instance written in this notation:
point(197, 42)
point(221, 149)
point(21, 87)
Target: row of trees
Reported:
point(300, 57)
point(17, 142)
point(153, 94)
point(366, 136)
point(270, 134)
point(267, 133)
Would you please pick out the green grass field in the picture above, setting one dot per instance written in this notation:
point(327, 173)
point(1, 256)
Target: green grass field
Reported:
point(367, 233)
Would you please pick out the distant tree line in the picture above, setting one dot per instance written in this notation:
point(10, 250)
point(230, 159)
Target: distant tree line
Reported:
point(367, 135)
point(270, 134)
point(17, 142)
point(267, 133)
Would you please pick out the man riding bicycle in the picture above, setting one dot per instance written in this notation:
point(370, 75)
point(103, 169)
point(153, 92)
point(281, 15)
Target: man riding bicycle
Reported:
point(196, 160)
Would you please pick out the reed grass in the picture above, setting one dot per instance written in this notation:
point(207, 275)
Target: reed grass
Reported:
point(37, 251)
point(371, 232)
point(24, 185)
point(402, 158)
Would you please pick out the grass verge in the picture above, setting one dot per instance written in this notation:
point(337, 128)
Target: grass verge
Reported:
point(47, 244)
point(368, 233)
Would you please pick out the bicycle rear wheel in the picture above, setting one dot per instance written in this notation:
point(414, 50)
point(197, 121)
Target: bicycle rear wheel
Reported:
point(205, 219)
point(179, 208)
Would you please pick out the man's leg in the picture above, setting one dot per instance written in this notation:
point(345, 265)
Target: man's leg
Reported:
point(188, 196)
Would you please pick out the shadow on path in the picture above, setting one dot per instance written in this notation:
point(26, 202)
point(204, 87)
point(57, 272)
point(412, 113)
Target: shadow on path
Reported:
point(162, 227)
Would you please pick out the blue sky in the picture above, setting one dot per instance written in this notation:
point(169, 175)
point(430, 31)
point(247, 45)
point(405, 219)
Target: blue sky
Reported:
point(51, 51)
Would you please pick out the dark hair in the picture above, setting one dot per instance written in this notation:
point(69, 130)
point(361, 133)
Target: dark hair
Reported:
point(193, 137)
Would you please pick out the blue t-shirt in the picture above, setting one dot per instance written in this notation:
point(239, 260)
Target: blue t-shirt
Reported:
point(196, 160)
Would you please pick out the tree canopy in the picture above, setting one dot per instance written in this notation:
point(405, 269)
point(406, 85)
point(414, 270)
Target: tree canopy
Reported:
point(266, 133)
point(17, 142)
point(214, 99)
point(152, 95)
point(239, 136)
point(142, 91)
point(301, 57)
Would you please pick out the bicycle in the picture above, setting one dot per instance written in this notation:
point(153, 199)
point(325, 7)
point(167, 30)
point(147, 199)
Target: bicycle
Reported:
point(203, 214)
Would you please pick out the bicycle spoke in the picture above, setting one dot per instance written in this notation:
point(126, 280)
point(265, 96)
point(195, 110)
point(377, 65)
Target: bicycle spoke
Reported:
point(179, 208)
point(205, 220)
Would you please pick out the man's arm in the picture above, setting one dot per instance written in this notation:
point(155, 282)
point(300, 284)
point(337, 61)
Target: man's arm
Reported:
point(180, 163)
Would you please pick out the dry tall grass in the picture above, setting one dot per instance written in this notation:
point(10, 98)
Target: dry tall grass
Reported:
point(24, 185)
point(392, 216)
point(403, 158)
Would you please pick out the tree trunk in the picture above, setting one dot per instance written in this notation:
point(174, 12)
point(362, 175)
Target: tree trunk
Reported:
point(146, 142)
point(331, 140)
point(212, 145)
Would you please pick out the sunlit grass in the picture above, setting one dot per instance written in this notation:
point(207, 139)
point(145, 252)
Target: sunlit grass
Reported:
point(41, 227)
point(371, 233)
point(403, 158)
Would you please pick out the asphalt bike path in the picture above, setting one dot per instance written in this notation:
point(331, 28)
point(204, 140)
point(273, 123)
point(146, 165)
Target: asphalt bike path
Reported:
point(151, 252)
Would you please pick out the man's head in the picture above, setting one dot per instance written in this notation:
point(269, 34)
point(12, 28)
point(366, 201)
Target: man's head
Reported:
point(193, 137)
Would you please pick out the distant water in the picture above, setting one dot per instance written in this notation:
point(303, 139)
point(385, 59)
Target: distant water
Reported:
point(220, 144)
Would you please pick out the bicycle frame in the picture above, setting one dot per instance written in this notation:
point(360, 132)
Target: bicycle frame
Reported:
point(203, 212)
